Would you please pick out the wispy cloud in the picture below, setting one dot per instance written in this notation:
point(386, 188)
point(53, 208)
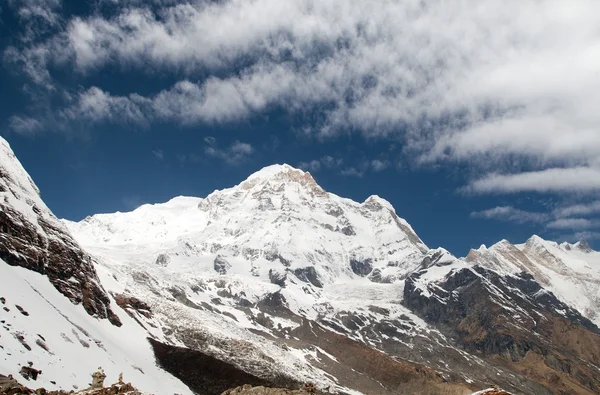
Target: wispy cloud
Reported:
point(511, 214)
point(345, 168)
point(158, 154)
point(578, 209)
point(565, 180)
point(24, 126)
point(236, 153)
point(573, 224)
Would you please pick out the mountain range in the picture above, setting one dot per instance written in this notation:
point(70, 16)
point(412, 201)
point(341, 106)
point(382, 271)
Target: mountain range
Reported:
point(277, 282)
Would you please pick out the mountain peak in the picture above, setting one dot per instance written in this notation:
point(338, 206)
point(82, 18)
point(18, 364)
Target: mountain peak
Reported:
point(282, 174)
point(583, 245)
point(273, 171)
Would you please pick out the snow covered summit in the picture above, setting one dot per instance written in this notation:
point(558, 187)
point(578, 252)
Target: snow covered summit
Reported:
point(279, 218)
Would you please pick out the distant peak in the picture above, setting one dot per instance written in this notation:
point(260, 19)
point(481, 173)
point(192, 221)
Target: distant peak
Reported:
point(535, 239)
point(502, 244)
point(583, 245)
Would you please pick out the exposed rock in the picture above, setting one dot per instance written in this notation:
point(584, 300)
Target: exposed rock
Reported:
point(98, 378)
point(513, 319)
point(30, 373)
point(163, 260)
point(377, 277)
point(33, 238)
point(8, 383)
point(203, 373)
point(277, 277)
point(361, 267)
point(130, 304)
point(308, 275)
point(221, 265)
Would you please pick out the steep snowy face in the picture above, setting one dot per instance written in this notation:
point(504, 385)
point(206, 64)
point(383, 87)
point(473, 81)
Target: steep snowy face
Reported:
point(32, 237)
point(278, 219)
point(42, 328)
point(569, 271)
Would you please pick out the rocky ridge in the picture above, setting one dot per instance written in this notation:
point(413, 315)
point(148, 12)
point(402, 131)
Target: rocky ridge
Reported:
point(33, 238)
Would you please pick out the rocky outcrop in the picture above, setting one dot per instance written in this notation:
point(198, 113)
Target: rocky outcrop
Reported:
point(203, 373)
point(513, 319)
point(10, 386)
point(33, 238)
point(361, 267)
point(221, 265)
point(309, 275)
point(277, 277)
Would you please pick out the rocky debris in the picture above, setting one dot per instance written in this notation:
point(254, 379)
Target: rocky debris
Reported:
point(8, 383)
point(10, 386)
point(33, 238)
point(247, 389)
point(221, 265)
point(492, 391)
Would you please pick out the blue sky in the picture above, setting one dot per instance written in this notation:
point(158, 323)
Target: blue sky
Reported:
point(481, 130)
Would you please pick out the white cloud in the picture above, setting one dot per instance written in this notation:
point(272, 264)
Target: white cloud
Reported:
point(563, 180)
point(379, 165)
point(572, 223)
point(578, 209)
point(490, 83)
point(511, 214)
point(236, 153)
point(95, 105)
point(24, 126)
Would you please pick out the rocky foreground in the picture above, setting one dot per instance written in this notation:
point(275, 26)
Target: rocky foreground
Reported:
point(10, 386)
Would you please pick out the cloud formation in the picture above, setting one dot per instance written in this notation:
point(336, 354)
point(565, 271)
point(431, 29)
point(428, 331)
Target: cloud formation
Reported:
point(236, 153)
point(508, 88)
point(511, 214)
point(575, 179)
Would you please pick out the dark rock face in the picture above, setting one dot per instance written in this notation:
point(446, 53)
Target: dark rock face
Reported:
point(513, 318)
point(361, 267)
point(33, 238)
point(203, 373)
point(277, 277)
point(220, 265)
point(308, 275)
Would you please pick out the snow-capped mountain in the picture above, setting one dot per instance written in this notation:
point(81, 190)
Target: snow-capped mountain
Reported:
point(282, 247)
point(569, 271)
point(278, 220)
point(278, 282)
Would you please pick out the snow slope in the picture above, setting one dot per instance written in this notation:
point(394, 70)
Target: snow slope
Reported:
point(66, 343)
